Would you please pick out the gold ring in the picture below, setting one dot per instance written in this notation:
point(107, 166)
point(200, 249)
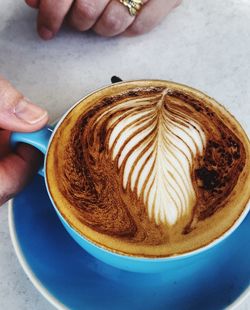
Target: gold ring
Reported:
point(133, 6)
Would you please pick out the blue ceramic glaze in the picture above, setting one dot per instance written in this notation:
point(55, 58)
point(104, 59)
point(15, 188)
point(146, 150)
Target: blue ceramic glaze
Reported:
point(70, 276)
point(41, 140)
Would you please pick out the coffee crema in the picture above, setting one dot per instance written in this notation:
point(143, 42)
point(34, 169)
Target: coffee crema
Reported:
point(149, 168)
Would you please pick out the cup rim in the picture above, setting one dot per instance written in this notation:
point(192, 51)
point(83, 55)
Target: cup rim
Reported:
point(177, 256)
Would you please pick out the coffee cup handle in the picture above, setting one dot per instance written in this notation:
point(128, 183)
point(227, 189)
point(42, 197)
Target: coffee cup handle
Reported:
point(39, 139)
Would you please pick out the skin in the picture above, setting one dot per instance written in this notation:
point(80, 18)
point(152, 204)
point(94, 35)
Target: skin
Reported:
point(17, 166)
point(106, 17)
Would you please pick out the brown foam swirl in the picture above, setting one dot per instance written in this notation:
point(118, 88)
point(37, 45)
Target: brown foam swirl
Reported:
point(216, 172)
point(148, 167)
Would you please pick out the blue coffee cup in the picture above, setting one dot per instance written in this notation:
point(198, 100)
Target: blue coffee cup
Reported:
point(41, 140)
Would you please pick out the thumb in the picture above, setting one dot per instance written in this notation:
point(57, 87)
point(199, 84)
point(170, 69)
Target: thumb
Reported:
point(18, 113)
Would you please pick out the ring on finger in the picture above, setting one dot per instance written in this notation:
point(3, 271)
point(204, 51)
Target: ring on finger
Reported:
point(133, 6)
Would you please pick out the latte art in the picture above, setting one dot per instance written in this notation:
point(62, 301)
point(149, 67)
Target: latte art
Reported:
point(154, 147)
point(149, 168)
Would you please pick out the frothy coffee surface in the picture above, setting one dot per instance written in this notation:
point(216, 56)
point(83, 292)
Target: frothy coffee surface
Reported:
point(149, 169)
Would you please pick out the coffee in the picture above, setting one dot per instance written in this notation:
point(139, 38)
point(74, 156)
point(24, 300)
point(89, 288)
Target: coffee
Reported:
point(149, 168)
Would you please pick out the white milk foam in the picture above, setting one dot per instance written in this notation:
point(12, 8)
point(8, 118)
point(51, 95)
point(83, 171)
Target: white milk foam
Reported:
point(155, 147)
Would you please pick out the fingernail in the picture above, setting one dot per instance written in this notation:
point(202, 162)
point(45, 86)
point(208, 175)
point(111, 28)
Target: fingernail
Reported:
point(45, 33)
point(28, 112)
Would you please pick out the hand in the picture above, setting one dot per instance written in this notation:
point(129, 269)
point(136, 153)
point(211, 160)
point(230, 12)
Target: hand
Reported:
point(106, 17)
point(17, 114)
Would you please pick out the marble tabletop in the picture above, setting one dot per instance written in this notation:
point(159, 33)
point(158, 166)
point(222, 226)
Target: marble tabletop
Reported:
point(205, 44)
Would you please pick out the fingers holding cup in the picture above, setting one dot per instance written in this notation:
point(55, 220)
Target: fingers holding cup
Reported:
point(16, 169)
point(17, 113)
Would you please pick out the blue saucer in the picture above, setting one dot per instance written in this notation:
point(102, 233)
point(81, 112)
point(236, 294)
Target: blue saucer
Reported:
point(67, 276)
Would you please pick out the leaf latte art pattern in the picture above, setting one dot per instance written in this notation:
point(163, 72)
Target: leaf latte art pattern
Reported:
point(149, 169)
point(154, 147)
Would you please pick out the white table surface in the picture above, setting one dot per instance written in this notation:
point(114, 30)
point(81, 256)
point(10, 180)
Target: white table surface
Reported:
point(205, 44)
